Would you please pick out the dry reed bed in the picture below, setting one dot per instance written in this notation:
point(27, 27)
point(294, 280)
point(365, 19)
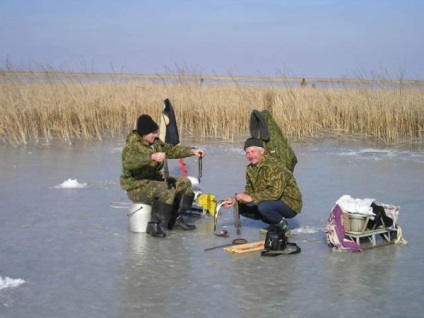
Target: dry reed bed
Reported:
point(86, 110)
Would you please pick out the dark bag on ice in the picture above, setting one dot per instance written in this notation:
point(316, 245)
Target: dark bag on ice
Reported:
point(276, 240)
point(276, 243)
point(380, 219)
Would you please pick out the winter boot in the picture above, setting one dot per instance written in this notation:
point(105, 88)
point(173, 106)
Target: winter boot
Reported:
point(284, 226)
point(153, 228)
point(270, 227)
point(160, 212)
point(280, 225)
point(181, 205)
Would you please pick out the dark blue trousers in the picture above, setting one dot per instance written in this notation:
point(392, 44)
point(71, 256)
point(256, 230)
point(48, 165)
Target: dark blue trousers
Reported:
point(270, 212)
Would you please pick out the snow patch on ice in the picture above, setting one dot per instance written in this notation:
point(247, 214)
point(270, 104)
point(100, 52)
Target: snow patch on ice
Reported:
point(306, 230)
point(10, 282)
point(71, 184)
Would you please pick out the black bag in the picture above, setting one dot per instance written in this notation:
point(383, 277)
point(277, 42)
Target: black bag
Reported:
point(276, 240)
point(380, 219)
point(276, 243)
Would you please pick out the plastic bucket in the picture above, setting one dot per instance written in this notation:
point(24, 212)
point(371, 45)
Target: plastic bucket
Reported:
point(138, 217)
point(357, 222)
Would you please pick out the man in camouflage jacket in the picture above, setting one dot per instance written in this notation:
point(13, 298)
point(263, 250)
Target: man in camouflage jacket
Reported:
point(143, 158)
point(271, 193)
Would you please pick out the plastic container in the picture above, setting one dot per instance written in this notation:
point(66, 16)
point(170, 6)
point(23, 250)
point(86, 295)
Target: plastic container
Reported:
point(357, 222)
point(138, 217)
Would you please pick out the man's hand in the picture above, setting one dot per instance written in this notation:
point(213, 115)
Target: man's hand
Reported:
point(243, 197)
point(229, 202)
point(158, 156)
point(198, 152)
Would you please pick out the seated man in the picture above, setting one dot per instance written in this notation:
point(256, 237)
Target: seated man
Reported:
point(143, 158)
point(271, 193)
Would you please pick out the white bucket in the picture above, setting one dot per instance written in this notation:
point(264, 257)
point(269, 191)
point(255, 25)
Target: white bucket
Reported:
point(357, 222)
point(138, 217)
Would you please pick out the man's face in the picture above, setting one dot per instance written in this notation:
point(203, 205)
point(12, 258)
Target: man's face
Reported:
point(150, 138)
point(254, 154)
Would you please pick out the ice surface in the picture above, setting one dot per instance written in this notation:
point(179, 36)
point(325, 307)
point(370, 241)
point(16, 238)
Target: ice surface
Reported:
point(74, 250)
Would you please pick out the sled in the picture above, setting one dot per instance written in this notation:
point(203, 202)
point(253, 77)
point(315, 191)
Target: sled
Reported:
point(387, 235)
point(371, 236)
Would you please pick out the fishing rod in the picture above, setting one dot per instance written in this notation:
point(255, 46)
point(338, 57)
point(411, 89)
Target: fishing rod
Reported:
point(237, 241)
point(199, 168)
point(165, 170)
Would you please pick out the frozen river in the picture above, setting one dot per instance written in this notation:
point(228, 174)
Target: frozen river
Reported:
point(71, 255)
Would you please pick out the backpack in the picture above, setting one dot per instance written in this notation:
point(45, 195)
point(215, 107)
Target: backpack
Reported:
point(276, 243)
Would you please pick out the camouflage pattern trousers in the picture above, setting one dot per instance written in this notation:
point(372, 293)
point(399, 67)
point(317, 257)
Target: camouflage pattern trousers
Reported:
point(164, 191)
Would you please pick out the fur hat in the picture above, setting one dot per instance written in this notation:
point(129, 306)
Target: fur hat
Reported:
point(146, 125)
point(253, 142)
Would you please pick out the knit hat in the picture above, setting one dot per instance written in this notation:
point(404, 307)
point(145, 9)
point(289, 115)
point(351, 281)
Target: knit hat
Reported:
point(146, 125)
point(253, 142)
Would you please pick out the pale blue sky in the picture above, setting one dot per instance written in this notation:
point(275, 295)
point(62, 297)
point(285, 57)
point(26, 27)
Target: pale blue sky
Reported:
point(240, 37)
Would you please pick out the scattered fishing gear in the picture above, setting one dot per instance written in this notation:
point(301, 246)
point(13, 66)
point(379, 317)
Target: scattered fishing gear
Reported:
point(290, 248)
point(237, 241)
point(182, 167)
point(222, 233)
point(165, 170)
point(236, 216)
point(215, 217)
point(245, 248)
point(200, 168)
point(276, 243)
point(207, 202)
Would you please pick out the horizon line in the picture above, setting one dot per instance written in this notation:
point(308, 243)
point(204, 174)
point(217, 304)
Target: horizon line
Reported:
point(210, 77)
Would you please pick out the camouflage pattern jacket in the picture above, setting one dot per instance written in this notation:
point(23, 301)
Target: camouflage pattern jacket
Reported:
point(270, 180)
point(138, 167)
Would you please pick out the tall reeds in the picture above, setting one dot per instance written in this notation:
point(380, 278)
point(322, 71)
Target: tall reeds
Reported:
point(74, 108)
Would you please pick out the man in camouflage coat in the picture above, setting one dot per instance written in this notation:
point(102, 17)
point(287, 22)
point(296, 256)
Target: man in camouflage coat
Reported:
point(271, 193)
point(143, 158)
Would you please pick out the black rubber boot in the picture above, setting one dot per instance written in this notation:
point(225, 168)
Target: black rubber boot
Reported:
point(153, 228)
point(160, 213)
point(186, 201)
point(179, 223)
point(181, 205)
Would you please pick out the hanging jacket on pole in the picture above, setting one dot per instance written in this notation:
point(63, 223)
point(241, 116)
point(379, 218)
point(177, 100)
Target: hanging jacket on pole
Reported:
point(263, 126)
